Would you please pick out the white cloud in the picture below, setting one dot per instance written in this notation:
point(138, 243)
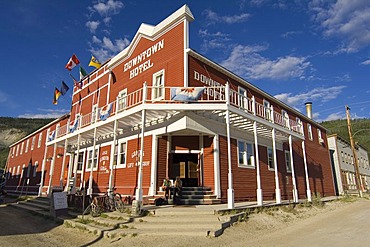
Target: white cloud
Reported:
point(247, 61)
point(108, 8)
point(291, 33)
point(346, 20)
point(213, 40)
point(320, 94)
point(107, 48)
point(213, 18)
point(367, 62)
point(334, 116)
point(92, 25)
point(45, 113)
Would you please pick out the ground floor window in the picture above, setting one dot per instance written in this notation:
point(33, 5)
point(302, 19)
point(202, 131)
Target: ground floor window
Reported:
point(245, 154)
point(270, 160)
point(287, 162)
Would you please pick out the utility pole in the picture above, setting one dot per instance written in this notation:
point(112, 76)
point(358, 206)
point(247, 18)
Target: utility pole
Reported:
point(357, 171)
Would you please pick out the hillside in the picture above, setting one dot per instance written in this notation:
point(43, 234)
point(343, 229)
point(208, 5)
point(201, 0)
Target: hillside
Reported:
point(360, 130)
point(14, 129)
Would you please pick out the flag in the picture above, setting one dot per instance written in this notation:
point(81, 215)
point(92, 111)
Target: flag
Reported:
point(94, 62)
point(57, 94)
point(64, 88)
point(83, 73)
point(186, 93)
point(73, 61)
point(105, 111)
point(76, 83)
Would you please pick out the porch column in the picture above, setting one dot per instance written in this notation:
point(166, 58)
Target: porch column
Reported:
point(216, 162)
point(139, 190)
point(257, 160)
point(52, 169)
point(90, 189)
point(43, 167)
point(230, 190)
point(63, 162)
point(308, 191)
point(75, 165)
point(112, 154)
point(277, 187)
point(153, 176)
point(295, 191)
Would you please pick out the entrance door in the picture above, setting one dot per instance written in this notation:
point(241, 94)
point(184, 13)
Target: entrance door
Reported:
point(186, 166)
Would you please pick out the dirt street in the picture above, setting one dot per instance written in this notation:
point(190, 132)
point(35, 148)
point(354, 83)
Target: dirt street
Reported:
point(336, 224)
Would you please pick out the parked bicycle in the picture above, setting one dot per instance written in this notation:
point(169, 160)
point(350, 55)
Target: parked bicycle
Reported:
point(113, 201)
point(93, 209)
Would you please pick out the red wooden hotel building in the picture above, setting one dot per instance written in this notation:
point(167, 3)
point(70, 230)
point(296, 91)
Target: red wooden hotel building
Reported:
point(159, 109)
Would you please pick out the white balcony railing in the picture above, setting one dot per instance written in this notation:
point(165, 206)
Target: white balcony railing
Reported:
point(157, 95)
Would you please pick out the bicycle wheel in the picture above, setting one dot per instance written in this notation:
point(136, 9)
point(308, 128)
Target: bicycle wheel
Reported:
point(119, 205)
point(95, 210)
point(87, 210)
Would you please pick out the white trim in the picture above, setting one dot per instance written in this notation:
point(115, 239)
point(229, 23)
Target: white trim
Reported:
point(186, 151)
point(216, 157)
point(153, 169)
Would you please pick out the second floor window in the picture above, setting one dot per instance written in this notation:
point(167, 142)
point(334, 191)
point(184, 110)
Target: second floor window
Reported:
point(242, 98)
point(267, 109)
point(158, 86)
point(122, 100)
point(309, 129)
point(40, 140)
point(33, 142)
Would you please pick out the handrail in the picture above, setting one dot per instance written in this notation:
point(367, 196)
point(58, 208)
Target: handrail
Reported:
point(168, 95)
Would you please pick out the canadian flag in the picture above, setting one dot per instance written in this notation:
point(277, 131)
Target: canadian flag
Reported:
point(73, 61)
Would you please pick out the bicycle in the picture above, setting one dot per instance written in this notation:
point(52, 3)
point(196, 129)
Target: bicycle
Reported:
point(93, 209)
point(113, 201)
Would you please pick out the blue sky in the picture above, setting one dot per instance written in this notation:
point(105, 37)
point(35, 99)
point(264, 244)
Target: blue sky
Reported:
point(297, 51)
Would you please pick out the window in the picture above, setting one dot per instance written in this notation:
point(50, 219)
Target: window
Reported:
point(35, 169)
point(33, 142)
point(299, 125)
point(90, 159)
point(245, 154)
point(122, 155)
point(267, 109)
point(284, 113)
point(158, 85)
point(18, 169)
point(122, 100)
point(287, 162)
point(22, 148)
point(319, 136)
point(40, 140)
point(270, 159)
point(27, 144)
point(94, 113)
point(16, 154)
point(242, 98)
point(80, 161)
point(309, 129)
point(13, 150)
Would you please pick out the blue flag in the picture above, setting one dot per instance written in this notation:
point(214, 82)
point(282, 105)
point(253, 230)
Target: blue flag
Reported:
point(64, 88)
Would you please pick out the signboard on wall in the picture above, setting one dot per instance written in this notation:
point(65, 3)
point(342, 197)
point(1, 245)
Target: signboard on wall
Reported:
point(104, 159)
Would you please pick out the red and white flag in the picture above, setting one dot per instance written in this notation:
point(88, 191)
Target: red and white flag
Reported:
point(73, 61)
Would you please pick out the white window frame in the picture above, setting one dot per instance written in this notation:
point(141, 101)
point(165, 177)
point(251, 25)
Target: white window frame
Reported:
point(285, 116)
point(35, 169)
point(158, 90)
point(16, 153)
point(319, 134)
point(122, 100)
point(27, 145)
point(90, 159)
point(22, 146)
point(33, 142)
point(121, 151)
point(309, 130)
point(13, 150)
point(40, 140)
point(288, 165)
point(300, 124)
point(267, 109)
point(82, 153)
point(243, 102)
point(247, 158)
point(270, 159)
point(94, 113)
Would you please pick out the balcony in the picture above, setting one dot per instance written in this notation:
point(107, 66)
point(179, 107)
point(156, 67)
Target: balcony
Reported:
point(211, 102)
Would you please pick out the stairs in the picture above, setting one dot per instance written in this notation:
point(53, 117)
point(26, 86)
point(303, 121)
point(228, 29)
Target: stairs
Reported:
point(38, 205)
point(191, 196)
